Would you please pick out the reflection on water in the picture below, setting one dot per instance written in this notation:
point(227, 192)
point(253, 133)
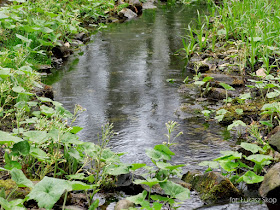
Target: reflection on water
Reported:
point(121, 79)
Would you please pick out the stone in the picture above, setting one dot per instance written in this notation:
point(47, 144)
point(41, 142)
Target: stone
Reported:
point(124, 183)
point(216, 94)
point(234, 81)
point(62, 52)
point(274, 141)
point(45, 91)
point(127, 13)
point(212, 186)
point(123, 204)
point(270, 187)
point(261, 72)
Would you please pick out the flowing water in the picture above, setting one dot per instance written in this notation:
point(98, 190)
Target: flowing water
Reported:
point(122, 78)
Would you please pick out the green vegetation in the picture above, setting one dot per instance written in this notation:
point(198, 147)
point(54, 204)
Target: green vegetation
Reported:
point(37, 135)
point(250, 30)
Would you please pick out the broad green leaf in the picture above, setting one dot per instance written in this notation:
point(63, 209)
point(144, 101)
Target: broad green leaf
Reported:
point(8, 138)
point(109, 156)
point(251, 147)
point(18, 89)
point(24, 39)
point(157, 155)
point(221, 112)
point(135, 166)
point(164, 148)
point(13, 164)
point(2, 15)
point(75, 154)
point(245, 96)
point(219, 118)
point(234, 154)
point(44, 99)
point(272, 94)
point(22, 147)
point(259, 159)
point(48, 111)
point(206, 79)
point(77, 185)
point(149, 181)
point(175, 190)
point(226, 86)
point(45, 43)
point(159, 198)
point(80, 176)
point(21, 180)
point(139, 199)
point(76, 129)
point(38, 153)
point(157, 206)
point(46, 30)
point(116, 170)
point(251, 178)
point(236, 123)
point(94, 205)
point(229, 166)
point(168, 166)
point(4, 73)
point(239, 111)
point(48, 191)
point(37, 137)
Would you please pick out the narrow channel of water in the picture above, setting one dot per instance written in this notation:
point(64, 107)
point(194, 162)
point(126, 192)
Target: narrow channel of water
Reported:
point(121, 79)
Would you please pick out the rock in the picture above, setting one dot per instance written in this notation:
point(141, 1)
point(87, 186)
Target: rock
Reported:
point(45, 91)
point(124, 183)
point(83, 37)
point(76, 43)
point(56, 62)
point(270, 187)
point(261, 72)
point(212, 186)
point(62, 52)
point(156, 189)
point(274, 141)
point(216, 94)
point(127, 13)
point(45, 68)
point(234, 81)
point(123, 204)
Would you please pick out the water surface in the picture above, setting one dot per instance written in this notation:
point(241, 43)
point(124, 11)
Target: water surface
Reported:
point(122, 78)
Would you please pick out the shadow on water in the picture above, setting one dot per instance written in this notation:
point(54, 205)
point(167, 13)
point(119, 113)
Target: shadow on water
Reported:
point(121, 79)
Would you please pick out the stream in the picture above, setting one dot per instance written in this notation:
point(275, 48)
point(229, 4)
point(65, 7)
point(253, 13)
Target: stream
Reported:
point(121, 78)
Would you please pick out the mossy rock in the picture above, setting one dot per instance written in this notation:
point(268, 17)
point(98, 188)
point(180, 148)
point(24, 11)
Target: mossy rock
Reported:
point(212, 186)
point(250, 111)
point(9, 185)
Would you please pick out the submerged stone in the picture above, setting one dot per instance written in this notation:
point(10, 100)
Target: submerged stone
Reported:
point(212, 186)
